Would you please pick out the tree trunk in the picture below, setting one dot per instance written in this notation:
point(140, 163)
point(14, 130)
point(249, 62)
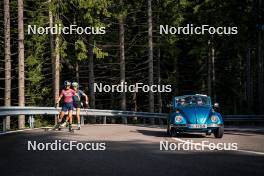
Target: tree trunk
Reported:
point(158, 69)
point(53, 61)
point(52, 53)
point(150, 60)
point(6, 125)
point(260, 60)
point(159, 82)
point(91, 76)
point(158, 74)
point(175, 74)
point(56, 75)
point(209, 70)
point(21, 73)
point(135, 105)
point(112, 93)
point(77, 68)
point(249, 90)
point(213, 73)
point(122, 62)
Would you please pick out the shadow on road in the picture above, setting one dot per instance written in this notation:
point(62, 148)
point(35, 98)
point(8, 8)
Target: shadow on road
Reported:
point(153, 133)
point(164, 134)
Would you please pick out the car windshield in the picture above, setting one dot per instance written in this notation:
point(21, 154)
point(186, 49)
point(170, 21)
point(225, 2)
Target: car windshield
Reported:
point(192, 100)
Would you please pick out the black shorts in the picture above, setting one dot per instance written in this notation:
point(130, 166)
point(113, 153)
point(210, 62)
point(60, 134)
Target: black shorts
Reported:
point(67, 107)
point(77, 104)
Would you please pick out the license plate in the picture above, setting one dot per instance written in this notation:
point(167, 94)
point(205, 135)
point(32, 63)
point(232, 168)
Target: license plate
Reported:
point(197, 125)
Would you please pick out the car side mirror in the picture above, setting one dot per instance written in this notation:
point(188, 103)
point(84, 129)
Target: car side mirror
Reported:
point(216, 105)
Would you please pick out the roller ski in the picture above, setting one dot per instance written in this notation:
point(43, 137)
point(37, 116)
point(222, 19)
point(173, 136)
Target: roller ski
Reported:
point(70, 129)
point(65, 125)
point(54, 128)
point(79, 127)
point(58, 125)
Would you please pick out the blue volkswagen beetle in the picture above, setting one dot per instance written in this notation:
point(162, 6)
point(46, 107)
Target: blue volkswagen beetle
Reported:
point(194, 113)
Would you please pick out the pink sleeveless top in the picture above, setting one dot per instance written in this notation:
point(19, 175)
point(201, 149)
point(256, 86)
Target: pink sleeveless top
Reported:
point(67, 95)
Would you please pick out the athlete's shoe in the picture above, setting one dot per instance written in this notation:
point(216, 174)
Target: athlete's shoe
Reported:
point(56, 127)
point(64, 124)
point(79, 127)
point(70, 128)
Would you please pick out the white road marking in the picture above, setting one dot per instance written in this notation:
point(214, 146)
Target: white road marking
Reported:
point(17, 131)
point(252, 152)
point(192, 143)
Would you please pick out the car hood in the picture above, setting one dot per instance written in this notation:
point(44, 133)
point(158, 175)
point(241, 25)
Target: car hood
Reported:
point(196, 114)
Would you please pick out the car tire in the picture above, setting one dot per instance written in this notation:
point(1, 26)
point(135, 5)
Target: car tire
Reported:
point(208, 133)
point(174, 133)
point(168, 130)
point(219, 132)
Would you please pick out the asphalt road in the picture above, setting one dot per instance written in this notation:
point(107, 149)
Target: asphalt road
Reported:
point(130, 150)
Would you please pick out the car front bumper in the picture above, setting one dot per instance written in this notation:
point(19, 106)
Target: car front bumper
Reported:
point(190, 128)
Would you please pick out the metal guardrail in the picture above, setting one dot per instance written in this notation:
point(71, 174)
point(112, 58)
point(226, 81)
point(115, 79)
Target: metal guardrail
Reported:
point(30, 110)
point(243, 118)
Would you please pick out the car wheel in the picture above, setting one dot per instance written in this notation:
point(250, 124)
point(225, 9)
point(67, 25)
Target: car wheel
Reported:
point(208, 133)
point(168, 132)
point(219, 132)
point(174, 132)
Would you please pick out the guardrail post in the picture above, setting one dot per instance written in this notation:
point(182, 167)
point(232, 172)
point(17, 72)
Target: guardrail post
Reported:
point(135, 119)
point(31, 121)
point(55, 119)
point(4, 124)
point(144, 121)
point(82, 120)
point(160, 121)
point(104, 120)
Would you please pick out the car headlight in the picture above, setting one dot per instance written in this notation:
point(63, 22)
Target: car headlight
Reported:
point(214, 118)
point(178, 118)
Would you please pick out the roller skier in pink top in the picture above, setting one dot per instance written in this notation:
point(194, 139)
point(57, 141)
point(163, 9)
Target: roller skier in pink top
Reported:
point(67, 94)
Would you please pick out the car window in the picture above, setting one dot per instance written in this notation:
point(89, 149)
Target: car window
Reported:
point(192, 100)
